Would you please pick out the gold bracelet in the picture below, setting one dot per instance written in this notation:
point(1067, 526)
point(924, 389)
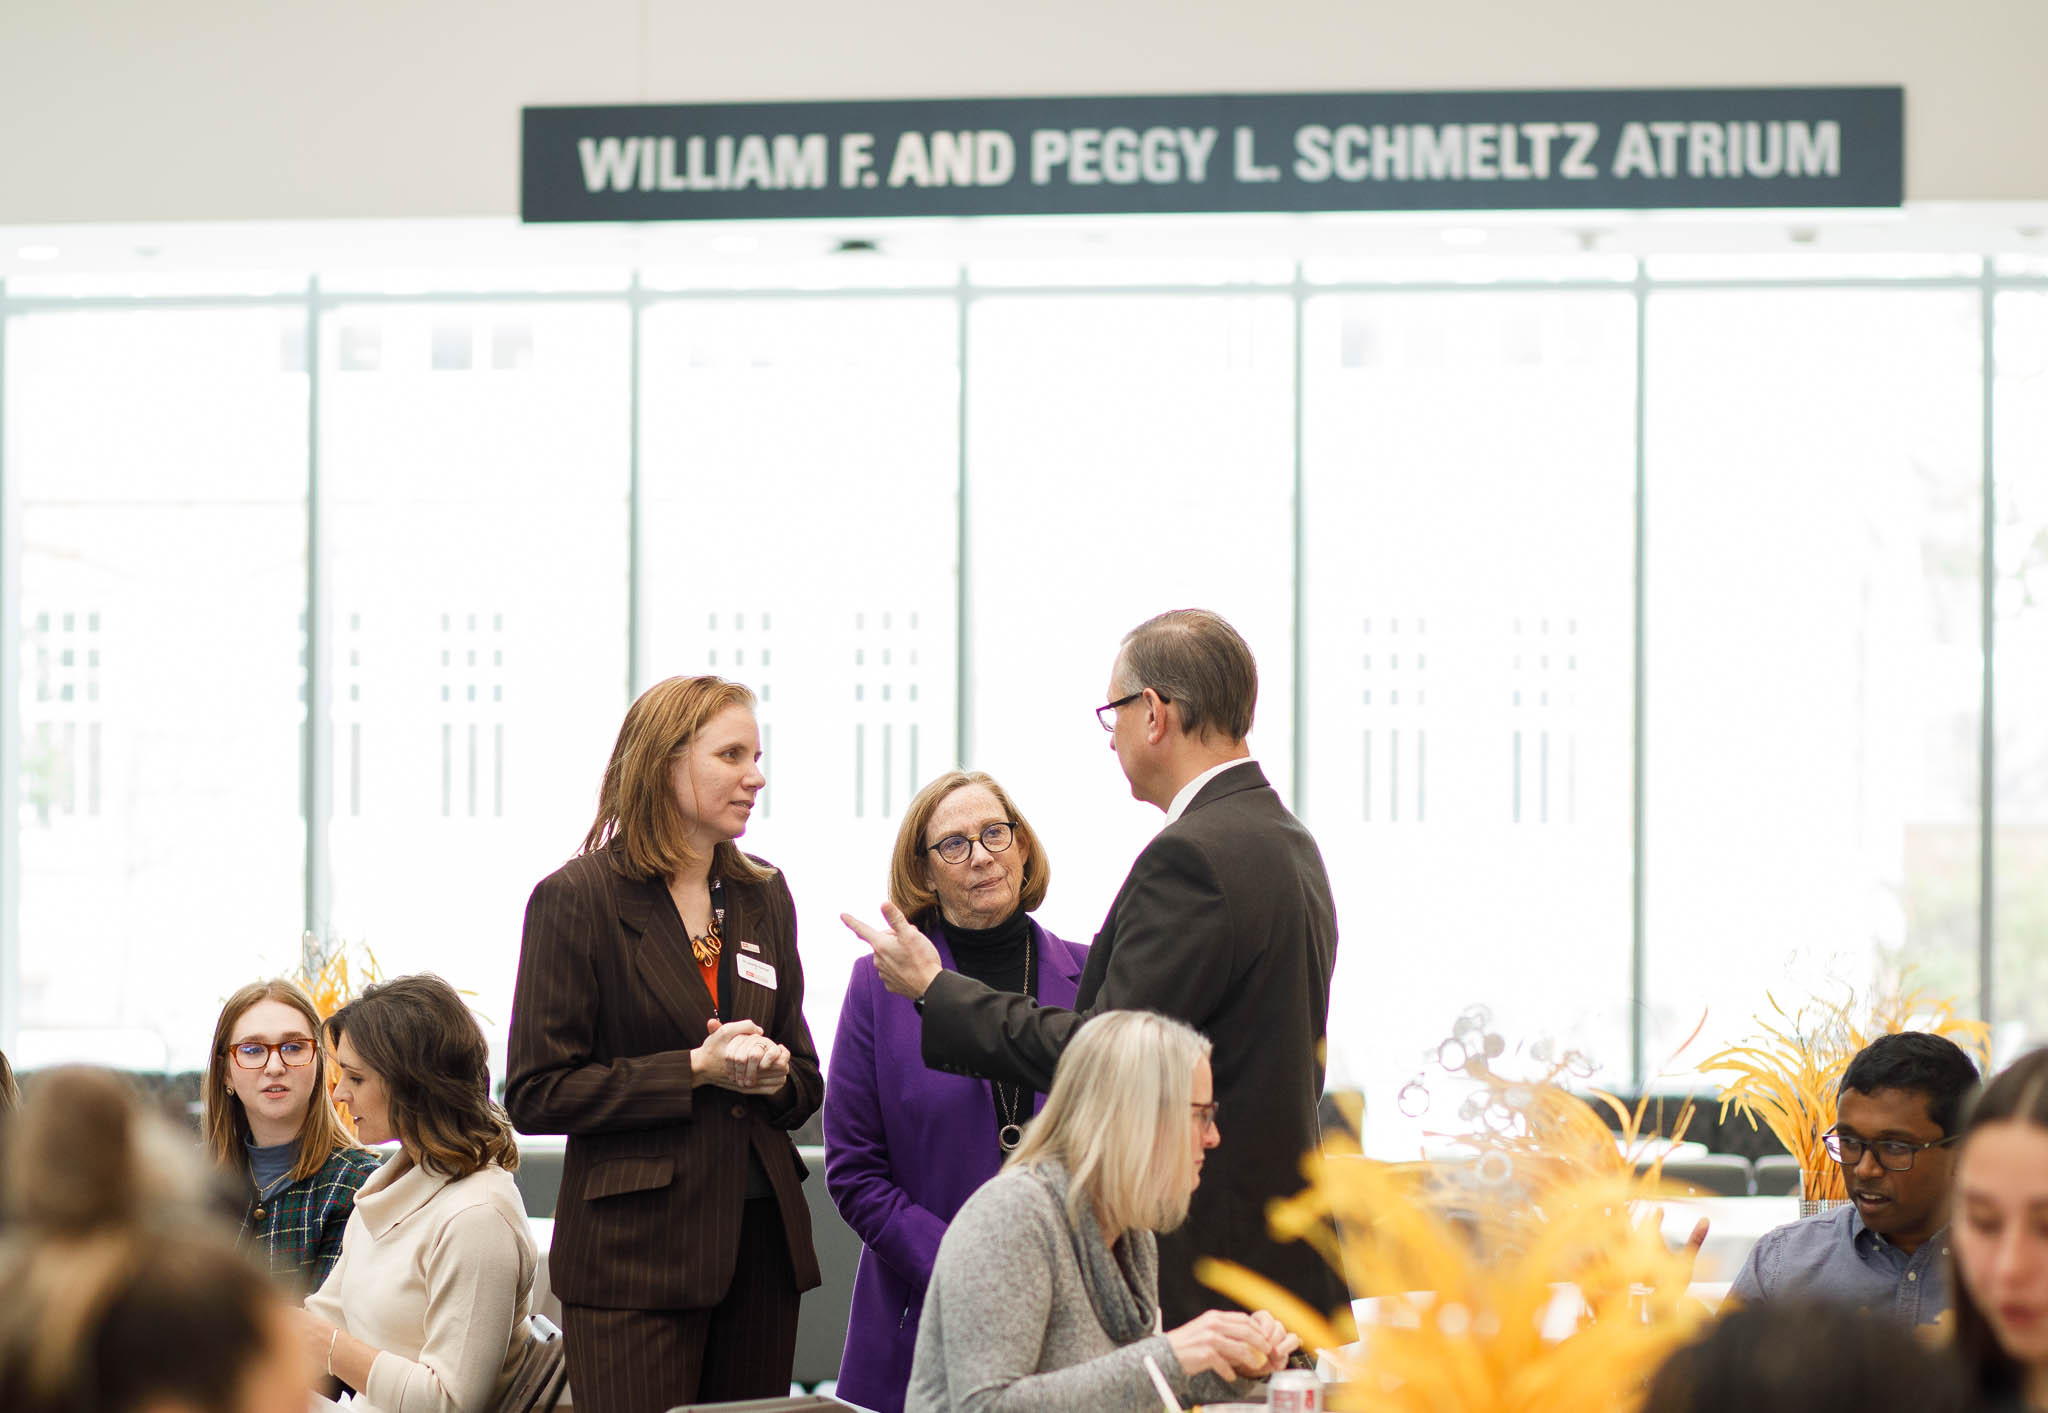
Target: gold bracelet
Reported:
point(330, 1350)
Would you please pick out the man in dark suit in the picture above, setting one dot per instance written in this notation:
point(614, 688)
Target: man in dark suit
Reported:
point(1225, 922)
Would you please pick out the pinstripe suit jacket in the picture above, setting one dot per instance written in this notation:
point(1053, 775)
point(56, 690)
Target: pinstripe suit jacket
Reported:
point(608, 1005)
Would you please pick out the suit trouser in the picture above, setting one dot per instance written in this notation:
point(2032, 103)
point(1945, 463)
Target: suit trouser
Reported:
point(648, 1361)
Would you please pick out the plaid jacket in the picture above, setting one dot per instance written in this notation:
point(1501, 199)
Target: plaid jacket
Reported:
point(300, 1225)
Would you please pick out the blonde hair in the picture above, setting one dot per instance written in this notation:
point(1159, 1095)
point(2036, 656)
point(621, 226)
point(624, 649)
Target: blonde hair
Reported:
point(227, 1124)
point(1119, 1120)
point(637, 814)
point(910, 870)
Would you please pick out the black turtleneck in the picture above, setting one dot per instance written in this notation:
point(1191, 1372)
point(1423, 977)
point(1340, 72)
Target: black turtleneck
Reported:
point(994, 956)
point(997, 957)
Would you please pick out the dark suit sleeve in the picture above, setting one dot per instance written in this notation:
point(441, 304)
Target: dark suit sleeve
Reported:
point(796, 1101)
point(1171, 952)
point(554, 1084)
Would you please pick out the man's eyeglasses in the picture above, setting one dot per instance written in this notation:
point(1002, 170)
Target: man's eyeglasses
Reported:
point(1205, 1115)
point(995, 838)
point(254, 1054)
point(1893, 1155)
point(1106, 713)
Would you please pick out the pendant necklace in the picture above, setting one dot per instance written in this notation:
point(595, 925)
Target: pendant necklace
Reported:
point(1011, 1103)
point(706, 948)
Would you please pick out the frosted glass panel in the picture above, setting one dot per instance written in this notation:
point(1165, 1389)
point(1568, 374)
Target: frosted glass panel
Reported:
point(1126, 456)
point(1813, 663)
point(474, 459)
point(159, 457)
point(801, 467)
point(2020, 917)
point(1469, 530)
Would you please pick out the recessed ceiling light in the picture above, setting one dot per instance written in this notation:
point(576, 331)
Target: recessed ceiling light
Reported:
point(37, 252)
point(1464, 235)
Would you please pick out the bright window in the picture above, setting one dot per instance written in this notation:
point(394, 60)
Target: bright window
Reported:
point(1812, 648)
point(1126, 455)
point(1467, 568)
point(474, 618)
point(801, 466)
point(159, 457)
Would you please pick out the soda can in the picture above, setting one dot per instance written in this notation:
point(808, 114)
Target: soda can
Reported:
point(1294, 1391)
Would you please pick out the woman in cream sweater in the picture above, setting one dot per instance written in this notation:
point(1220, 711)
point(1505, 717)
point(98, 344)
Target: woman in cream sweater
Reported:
point(425, 1311)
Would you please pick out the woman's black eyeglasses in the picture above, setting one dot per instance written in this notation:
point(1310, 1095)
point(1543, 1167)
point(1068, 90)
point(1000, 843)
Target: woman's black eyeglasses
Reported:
point(995, 838)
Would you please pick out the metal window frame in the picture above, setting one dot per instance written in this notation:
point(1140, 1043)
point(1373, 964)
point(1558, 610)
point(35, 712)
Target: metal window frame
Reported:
point(1988, 284)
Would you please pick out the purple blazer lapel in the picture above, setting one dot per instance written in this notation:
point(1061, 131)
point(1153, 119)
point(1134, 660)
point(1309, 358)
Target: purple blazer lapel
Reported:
point(1060, 964)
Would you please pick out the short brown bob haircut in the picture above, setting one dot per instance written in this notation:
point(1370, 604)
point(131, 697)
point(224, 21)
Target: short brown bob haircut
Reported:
point(1195, 660)
point(227, 1124)
point(418, 1037)
point(910, 873)
point(637, 814)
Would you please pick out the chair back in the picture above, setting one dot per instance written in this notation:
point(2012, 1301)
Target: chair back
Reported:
point(542, 1373)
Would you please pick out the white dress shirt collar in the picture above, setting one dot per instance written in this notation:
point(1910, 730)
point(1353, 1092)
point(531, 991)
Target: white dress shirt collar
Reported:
point(1187, 792)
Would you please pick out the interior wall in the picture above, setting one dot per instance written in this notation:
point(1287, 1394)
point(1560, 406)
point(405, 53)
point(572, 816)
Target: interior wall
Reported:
point(132, 110)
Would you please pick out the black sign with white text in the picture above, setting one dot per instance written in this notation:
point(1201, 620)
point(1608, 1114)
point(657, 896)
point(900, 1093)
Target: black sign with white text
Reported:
point(1505, 151)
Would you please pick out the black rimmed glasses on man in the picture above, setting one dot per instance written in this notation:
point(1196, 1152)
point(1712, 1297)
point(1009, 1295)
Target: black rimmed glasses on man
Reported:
point(1894, 1155)
point(1106, 713)
point(995, 838)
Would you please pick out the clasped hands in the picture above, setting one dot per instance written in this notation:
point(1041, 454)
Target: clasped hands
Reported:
point(737, 1055)
point(1232, 1344)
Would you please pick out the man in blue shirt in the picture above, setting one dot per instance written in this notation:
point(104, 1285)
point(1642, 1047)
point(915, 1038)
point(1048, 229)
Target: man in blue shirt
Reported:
point(1886, 1251)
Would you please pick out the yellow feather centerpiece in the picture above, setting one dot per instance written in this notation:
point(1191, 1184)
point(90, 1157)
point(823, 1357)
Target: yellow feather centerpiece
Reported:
point(1791, 1076)
point(333, 980)
point(1533, 1276)
point(328, 974)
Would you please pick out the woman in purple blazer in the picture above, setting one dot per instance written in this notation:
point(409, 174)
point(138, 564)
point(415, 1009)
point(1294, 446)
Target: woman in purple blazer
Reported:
point(905, 1145)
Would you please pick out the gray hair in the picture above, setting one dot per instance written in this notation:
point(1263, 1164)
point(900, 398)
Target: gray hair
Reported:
point(1118, 1119)
point(1197, 661)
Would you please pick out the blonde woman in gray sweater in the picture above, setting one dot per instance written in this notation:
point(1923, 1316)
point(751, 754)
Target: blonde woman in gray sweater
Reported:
point(1045, 1295)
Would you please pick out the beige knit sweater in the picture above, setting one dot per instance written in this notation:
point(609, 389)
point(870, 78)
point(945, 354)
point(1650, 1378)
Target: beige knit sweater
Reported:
point(438, 1276)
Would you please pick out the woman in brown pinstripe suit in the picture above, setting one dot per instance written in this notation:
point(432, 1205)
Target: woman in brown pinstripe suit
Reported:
point(658, 1021)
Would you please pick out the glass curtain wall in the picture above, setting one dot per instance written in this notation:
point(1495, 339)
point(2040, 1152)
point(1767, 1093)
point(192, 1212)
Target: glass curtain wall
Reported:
point(1467, 559)
point(800, 463)
point(158, 460)
point(917, 520)
point(2019, 546)
point(1815, 481)
point(473, 476)
point(1125, 455)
